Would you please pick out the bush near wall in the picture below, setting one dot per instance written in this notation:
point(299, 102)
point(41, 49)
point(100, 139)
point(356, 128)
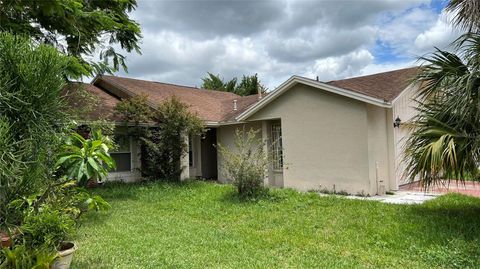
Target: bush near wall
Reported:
point(163, 133)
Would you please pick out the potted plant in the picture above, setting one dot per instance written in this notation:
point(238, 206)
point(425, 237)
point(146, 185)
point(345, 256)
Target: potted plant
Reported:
point(50, 219)
point(64, 256)
point(6, 241)
point(80, 203)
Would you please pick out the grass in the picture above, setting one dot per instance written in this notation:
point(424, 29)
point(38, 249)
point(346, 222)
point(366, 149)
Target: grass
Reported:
point(200, 225)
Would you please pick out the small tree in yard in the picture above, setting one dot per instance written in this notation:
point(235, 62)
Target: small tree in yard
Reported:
point(246, 164)
point(164, 143)
point(167, 143)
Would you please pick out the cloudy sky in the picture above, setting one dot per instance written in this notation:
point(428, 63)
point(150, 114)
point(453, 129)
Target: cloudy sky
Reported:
point(183, 40)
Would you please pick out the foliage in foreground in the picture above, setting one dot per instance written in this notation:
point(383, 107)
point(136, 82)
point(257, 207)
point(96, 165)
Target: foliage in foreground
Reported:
point(32, 119)
point(79, 28)
point(39, 206)
point(206, 225)
point(445, 140)
point(86, 159)
point(163, 133)
point(466, 14)
point(246, 163)
point(49, 218)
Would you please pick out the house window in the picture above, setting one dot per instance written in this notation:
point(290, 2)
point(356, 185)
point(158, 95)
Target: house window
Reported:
point(276, 142)
point(123, 154)
point(190, 151)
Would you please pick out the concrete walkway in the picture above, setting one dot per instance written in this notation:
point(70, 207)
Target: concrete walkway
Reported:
point(413, 193)
point(400, 197)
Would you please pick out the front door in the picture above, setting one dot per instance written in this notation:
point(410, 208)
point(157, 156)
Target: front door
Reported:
point(209, 154)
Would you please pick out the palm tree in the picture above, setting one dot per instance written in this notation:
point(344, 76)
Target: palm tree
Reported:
point(466, 14)
point(445, 140)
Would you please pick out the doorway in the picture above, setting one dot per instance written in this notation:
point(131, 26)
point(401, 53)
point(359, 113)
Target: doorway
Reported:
point(209, 154)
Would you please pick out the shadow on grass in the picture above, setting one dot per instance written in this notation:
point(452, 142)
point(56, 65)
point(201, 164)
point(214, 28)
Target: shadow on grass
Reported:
point(267, 195)
point(450, 216)
point(446, 230)
point(121, 191)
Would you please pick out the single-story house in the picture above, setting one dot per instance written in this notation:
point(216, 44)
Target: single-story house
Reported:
point(338, 135)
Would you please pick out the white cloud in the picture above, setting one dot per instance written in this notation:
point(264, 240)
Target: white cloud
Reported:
point(377, 68)
point(343, 66)
point(441, 34)
point(329, 39)
point(399, 33)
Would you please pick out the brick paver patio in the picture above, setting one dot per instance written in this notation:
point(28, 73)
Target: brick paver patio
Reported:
point(468, 188)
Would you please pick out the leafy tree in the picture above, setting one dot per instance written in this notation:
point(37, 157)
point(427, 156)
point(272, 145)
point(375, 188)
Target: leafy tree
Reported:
point(445, 141)
point(163, 142)
point(77, 28)
point(135, 110)
point(214, 82)
point(34, 211)
point(248, 85)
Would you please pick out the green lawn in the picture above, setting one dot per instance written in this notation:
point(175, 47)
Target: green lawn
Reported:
point(199, 225)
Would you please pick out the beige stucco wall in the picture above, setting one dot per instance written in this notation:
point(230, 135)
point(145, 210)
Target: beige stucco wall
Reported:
point(404, 108)
point(380, 149)
point(226, 136)
point(325, 140)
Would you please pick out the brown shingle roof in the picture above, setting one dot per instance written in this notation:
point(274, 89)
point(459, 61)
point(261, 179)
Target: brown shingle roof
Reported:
point(243, 103)
point(209, 105)
point(217, 106)
point(104, 108)
point(385, 86)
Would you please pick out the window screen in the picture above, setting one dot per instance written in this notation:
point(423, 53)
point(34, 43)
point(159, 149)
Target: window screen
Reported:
point(122, 155)
point(276, 142)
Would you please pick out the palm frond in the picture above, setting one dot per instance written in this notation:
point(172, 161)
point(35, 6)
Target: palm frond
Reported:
point(466, 14)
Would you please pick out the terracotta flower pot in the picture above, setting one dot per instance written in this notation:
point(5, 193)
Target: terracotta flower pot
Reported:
point(64, 256)
point(6, 240)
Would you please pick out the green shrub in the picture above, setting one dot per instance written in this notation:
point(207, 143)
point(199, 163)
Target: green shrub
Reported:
point(22, 257)
point(163, 143)
point(47, 227)
point(38, 204)
point(51, 216)
point(32, 121)
point(246, 164)
point(86, 159)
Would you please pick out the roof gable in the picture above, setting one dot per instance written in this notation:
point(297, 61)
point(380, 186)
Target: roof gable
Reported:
point(378, 89)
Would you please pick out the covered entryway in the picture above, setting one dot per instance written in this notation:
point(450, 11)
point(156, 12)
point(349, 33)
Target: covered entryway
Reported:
point(208, 153)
